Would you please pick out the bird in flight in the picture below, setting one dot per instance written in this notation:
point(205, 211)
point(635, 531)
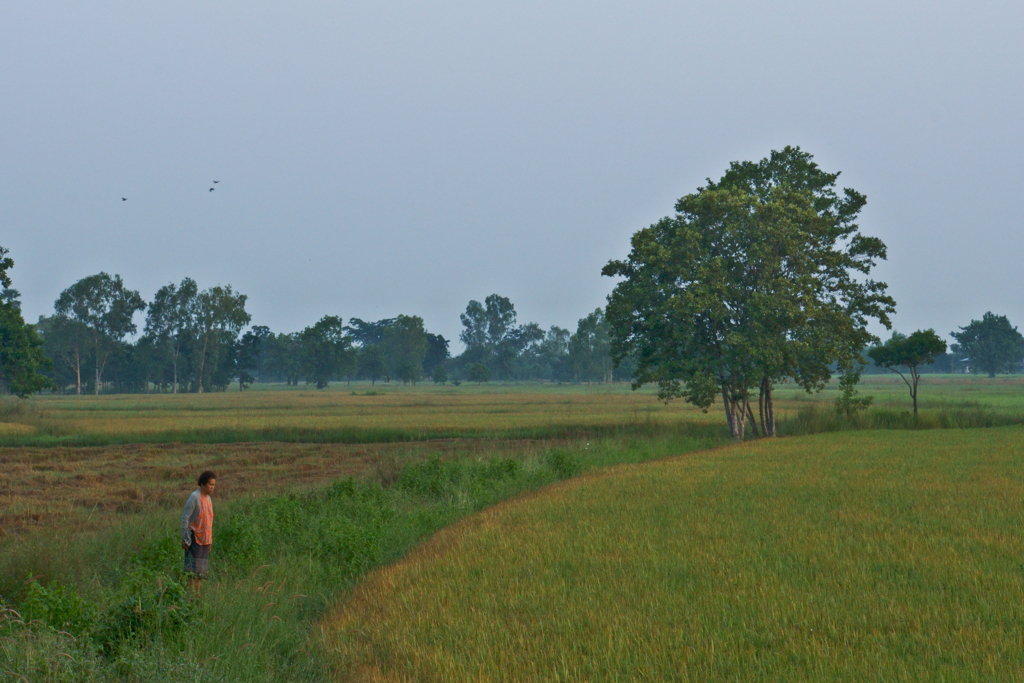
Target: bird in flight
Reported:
point(211, 189)
point(215, 182)
point(124, 199)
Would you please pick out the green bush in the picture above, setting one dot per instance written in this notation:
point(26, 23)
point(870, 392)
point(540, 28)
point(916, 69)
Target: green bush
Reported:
point(57, 607)
point(151, 607)
point(563, 463)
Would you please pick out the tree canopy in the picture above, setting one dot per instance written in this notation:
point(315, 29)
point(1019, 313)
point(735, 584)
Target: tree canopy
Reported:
point(327, 351)
point(101, 307)
point(21, 350)
point(759, 277)
point(992, 344)
point(909, 353)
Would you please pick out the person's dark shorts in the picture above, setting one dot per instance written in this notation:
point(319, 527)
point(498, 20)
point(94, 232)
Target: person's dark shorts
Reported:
point(197, 560)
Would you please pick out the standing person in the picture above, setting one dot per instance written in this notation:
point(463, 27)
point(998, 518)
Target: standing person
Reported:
point(197, 529)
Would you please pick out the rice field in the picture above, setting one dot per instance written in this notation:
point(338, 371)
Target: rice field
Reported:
point(360, 413)
point(884, 556)
point(338, 415)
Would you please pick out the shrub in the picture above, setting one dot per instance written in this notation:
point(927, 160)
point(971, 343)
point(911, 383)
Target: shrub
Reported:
point(153, 607)
point(58, 607)
point(563, 463)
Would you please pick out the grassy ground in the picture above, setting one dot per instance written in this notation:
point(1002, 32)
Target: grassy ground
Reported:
point(110, 604)
point(392, 413)
point(91, 488)
point(866, 556)
point(340, 414)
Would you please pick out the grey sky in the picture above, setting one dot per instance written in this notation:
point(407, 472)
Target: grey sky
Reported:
point(378, 158)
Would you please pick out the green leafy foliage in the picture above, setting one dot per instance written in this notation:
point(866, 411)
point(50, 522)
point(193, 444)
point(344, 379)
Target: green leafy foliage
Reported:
point(849, 403)
point(563, 463)
point(327, 352)
point(758, 277)
point(992, 344)
point(440, 375)
point(22, 362)
point(57, 607)
point(477, 372)
point(909, 353)
point(101, 307)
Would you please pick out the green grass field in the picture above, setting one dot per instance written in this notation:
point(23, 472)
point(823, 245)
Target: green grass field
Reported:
point(851, 557)
point(893, 539)
point(361, 413)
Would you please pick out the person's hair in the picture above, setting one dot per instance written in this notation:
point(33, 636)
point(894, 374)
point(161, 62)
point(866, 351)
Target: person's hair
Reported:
point(206, 476)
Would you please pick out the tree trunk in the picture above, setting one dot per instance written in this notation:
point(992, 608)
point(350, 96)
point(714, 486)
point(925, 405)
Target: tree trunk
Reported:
point(99, 370)
point(913, 396)
point(760, 407)
point(202, 363)
point(753, 421)
point(78, 371)
point(735, 414)
point(740, 419)
point(728, 410)
point(915, 378)
point(767, 405)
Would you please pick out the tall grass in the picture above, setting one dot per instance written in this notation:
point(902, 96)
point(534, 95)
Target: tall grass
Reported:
point(818, 418)
point(280, 561)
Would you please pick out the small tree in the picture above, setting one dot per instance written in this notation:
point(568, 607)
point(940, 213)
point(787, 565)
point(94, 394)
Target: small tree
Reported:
point(992, 344)
point(440, 375)
point(909, 353)
point(478, 372)
point(849, 403)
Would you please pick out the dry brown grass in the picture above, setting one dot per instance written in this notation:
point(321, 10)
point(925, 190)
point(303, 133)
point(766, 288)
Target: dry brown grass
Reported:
point(87, 488)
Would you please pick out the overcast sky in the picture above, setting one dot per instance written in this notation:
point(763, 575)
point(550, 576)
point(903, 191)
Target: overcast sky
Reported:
point(378, 158)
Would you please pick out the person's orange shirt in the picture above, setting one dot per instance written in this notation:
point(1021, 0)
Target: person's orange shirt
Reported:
point(202, 528)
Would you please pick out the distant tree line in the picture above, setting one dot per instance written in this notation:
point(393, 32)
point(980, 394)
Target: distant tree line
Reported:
point(200, 340)
point(759, 278)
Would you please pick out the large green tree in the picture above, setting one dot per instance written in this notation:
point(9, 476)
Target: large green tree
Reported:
point(437, 353)
point(282, 357)
point(905, 355)
point(404, 348)
point(992, 344)
point(370, 363)
point(65, 342)
point(590, 349)
point(22, 362)
point(491, 336)
point(247, 355)
point(759, 277)
point(326, 350)
point(219, 314)
point(102, 306)
point(171, 322)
